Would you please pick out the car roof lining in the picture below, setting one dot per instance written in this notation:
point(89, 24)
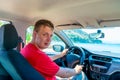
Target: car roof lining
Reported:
point(86, 12)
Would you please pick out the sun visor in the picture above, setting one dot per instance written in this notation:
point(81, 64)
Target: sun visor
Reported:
point(109, 23)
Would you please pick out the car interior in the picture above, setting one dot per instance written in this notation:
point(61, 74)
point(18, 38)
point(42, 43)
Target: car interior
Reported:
point(75, 21)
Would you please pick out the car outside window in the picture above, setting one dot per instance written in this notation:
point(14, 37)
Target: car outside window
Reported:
point(102, 39)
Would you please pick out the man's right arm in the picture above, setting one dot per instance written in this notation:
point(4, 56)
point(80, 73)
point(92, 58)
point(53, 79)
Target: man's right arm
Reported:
point(68, 72)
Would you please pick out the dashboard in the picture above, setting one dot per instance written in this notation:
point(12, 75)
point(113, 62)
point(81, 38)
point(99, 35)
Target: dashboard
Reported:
point(98, 65)
point(103, 67)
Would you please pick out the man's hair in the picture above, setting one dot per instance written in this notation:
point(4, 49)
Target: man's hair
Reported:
point(43, 22)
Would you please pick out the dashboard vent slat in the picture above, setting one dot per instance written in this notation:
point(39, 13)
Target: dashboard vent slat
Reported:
point(101, 58)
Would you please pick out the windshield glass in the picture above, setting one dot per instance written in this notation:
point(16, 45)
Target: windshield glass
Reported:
point(102, 39)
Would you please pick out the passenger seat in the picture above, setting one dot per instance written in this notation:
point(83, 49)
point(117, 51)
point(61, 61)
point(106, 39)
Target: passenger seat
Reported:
point(13, 66)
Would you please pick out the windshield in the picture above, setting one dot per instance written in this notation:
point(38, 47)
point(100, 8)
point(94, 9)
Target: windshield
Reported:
point(102, 39)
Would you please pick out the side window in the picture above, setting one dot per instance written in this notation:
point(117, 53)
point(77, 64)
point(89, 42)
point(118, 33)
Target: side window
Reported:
point(56, 41)
point(29, 34)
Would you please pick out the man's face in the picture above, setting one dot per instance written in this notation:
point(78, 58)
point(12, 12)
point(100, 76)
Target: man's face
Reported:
point(43, 37)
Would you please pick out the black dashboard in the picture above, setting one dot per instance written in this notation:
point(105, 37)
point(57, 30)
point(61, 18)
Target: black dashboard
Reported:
point(104, 67)
point(99, 66)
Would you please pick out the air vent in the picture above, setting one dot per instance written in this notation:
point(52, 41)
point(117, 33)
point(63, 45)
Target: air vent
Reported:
point(106, 59)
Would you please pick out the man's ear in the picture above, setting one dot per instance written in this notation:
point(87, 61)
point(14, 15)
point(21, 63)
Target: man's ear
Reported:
point(34, 34)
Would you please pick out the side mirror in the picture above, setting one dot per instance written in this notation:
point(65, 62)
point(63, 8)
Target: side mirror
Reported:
point(58, 48)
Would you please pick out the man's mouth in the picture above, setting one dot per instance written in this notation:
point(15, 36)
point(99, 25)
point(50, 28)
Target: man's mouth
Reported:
point(46, 44)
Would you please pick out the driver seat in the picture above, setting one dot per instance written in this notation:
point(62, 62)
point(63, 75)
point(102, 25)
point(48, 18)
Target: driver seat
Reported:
point(13, 66)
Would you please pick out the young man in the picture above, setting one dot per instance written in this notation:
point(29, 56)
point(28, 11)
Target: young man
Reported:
point(42, 33)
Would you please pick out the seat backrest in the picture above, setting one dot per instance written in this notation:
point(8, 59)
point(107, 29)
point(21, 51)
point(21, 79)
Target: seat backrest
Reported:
point(13, 66)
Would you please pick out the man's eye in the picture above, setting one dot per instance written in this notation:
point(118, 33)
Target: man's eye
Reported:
point(44, 34)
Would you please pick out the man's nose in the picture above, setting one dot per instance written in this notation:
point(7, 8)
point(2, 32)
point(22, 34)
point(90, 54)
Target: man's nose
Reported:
point(49, 38)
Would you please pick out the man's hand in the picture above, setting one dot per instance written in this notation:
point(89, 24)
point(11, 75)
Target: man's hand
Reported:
point(57, 56)
point(78, 68)
point(63, 53)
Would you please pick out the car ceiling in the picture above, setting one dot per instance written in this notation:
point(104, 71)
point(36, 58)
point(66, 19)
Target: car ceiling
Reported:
point(95, 13)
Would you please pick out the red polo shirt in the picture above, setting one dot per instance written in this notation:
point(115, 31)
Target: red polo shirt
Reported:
point(40, 61)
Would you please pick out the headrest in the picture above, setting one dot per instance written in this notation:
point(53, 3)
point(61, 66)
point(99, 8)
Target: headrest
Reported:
point(8, 37)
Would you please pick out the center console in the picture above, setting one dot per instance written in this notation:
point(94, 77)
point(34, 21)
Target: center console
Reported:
point(99, 66)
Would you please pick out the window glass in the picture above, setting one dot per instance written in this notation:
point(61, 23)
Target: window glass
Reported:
point(56, 41)
point(100, 39)
point(29, 34)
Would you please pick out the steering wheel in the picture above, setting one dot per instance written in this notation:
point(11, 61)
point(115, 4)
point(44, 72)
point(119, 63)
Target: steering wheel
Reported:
point(75, 55)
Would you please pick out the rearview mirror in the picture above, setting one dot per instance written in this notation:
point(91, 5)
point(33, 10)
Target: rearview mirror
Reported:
point(98, 34)
point(58, 48)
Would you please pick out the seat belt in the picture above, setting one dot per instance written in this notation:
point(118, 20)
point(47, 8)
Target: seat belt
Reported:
point(9, 67)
